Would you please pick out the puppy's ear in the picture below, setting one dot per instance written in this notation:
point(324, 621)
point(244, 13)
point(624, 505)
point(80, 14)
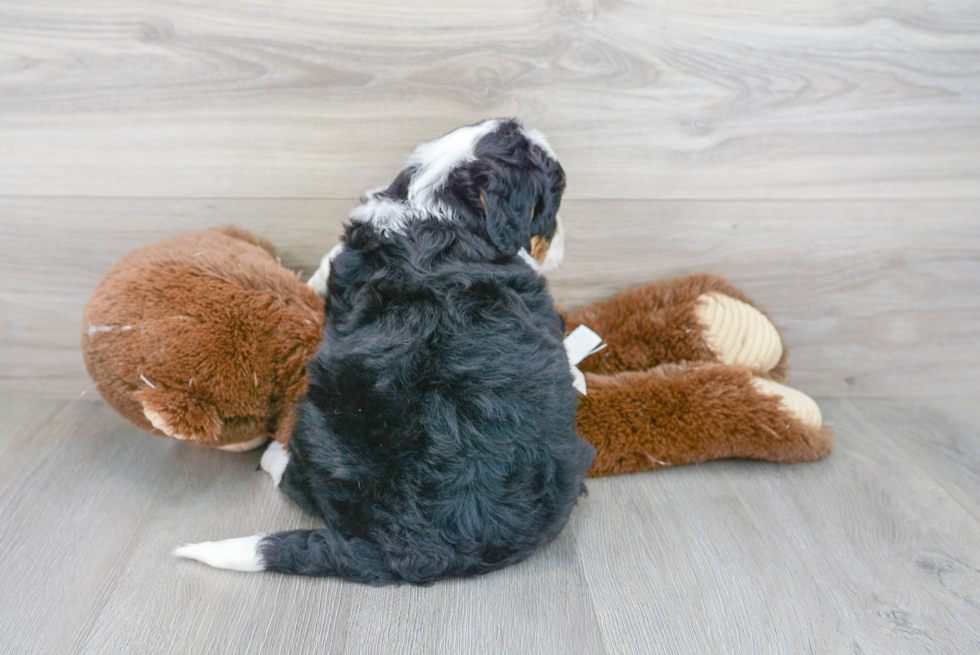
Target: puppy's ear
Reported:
point(508, 220)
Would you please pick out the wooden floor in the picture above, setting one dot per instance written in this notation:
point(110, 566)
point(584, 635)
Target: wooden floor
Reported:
point(823, 155)
point(874, 550)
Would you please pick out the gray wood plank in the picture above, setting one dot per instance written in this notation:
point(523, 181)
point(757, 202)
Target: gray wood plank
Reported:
point(702, 99)
point(940, 435)
point(129, 498)
point(542, 605)
point(168, 605)
point(859, 553)
point(69, 514)
point(875, 297)
point(863, 552)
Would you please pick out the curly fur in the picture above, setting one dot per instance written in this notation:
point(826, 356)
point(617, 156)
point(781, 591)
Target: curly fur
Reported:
point(438, 436)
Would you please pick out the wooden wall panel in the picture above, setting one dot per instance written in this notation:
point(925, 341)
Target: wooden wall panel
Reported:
point(876, 298)
point(642, 100)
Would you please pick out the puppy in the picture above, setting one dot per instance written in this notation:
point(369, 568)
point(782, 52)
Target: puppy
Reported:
point(437, 438)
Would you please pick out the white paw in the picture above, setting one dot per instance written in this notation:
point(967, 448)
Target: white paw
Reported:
point(241, 554)
point(274, 461)
point(318, 281)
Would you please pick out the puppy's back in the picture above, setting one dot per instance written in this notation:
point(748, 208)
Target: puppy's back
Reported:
point(444, 391)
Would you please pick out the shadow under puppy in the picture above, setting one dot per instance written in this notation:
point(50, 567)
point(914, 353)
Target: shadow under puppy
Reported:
point(438, 435)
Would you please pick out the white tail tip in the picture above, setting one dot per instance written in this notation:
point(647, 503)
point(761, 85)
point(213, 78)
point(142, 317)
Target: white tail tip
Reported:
point(241, 554)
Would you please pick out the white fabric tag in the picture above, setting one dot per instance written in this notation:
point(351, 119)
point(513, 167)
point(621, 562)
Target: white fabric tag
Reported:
point(581, 343)
point(578, 380)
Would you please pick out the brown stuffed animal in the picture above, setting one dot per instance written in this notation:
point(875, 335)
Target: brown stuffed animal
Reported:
point(691, 373)
point(204, 338)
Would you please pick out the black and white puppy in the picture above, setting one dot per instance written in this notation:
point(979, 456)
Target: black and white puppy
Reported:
point(438, 435)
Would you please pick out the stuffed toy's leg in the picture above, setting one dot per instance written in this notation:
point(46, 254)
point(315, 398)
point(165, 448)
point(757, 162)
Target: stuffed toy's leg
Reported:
point(188, 417)
point(686, 413)
point(697, 318)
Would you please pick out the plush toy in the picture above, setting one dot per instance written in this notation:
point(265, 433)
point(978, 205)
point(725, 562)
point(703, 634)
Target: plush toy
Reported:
point(692, 372)
point(204, 338)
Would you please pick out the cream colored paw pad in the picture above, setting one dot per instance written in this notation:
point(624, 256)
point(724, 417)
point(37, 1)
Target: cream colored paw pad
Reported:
point(252, 444)
point(797, 403)
point(157, 420)
point(738, 333)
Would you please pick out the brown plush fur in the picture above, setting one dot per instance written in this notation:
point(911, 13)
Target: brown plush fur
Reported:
point(657, 397)
point(223, 333)
point(686, 413)
point(655, 324)
point(209, 331)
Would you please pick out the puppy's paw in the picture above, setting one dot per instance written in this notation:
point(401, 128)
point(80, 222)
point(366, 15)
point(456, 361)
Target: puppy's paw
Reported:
point(318, 281)
point(274, 461)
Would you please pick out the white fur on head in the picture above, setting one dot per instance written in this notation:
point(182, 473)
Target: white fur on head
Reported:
point(371, 193)
point(433, 163)
point(241, 554)
point(537, 138)
point(385, 214)
point(435, 160)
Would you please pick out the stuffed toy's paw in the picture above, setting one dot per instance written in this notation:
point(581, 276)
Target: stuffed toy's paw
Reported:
point(180, 415)
point(697, 318)
point(694, 412)
point(796, 403)
point(737, 333)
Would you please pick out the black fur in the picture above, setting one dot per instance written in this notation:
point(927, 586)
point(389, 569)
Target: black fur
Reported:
point(438, 435)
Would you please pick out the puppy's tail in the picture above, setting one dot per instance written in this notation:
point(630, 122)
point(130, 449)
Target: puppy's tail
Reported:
point(324, 552)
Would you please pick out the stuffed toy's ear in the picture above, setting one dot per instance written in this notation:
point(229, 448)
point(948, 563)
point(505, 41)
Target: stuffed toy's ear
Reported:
point(508, 221)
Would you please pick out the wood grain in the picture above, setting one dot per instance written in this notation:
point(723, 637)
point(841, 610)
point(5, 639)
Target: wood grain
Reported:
point(850, 554)
point(865, 552)
point(940, 435)
point(642, 100)
point(876, 297)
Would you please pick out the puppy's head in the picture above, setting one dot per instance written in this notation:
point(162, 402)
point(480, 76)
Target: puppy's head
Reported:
point(496, 177)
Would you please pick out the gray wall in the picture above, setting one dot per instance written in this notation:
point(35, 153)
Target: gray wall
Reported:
point(831, 168)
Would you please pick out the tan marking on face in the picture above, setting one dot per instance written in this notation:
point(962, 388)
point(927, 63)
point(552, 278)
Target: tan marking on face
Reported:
point(539, 248)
